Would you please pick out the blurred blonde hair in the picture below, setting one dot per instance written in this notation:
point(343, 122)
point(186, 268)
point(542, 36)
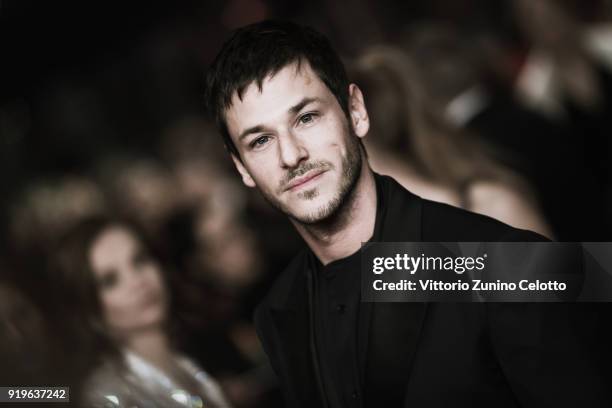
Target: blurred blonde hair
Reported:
point(404, 119)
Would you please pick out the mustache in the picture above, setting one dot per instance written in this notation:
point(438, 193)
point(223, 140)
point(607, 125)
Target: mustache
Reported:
point(303, 169)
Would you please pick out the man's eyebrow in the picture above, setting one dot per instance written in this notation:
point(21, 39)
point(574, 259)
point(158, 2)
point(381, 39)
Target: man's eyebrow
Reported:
point(292, 110)
point(253, 129)
point(299, 106)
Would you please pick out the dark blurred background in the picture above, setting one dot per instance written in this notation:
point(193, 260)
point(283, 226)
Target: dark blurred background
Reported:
point(101, 112)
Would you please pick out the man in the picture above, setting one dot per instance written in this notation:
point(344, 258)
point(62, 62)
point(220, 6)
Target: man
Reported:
point(293, 123)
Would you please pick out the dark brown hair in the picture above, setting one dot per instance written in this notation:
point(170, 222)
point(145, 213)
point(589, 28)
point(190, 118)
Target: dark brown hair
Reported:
point(75, 280)
point(262, 49)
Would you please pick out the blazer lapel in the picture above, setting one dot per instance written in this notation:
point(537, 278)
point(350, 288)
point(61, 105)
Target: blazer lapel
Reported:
point(292, 329)
point(395, 330)
point(391, 331)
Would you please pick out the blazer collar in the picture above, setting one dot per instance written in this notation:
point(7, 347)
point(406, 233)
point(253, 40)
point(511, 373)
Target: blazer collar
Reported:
point(398, 214)
point(389, 332)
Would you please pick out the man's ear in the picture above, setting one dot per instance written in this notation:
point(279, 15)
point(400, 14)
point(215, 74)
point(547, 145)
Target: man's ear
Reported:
point(246, 176)
point(358, 112)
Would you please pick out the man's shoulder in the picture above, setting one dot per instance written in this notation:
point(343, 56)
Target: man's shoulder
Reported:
point(443, 222)
point(439, 222)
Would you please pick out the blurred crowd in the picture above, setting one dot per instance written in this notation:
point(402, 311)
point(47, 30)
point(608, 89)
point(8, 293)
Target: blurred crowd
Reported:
point(188, 214)
point(146, 254)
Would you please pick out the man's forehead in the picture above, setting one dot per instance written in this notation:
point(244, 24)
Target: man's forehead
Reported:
point(296, 73)
point(276, 96)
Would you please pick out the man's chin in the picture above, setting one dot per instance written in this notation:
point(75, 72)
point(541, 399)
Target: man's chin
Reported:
point(315, 213)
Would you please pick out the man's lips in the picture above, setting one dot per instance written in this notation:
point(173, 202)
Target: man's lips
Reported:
point(295, 183)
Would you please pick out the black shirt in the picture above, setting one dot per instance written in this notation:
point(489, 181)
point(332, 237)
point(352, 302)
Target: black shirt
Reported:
point(336, 312)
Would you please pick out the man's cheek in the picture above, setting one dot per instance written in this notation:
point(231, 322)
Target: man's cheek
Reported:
point(267, 182)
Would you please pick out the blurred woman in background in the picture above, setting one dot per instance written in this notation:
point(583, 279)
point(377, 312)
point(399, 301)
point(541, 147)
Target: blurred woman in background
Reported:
point(118, 294)
point(413, 142)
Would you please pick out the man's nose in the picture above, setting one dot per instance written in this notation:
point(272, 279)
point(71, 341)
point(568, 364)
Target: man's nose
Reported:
point(291, 151)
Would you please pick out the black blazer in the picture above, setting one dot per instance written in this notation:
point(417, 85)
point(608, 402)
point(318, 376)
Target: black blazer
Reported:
point(439, 354)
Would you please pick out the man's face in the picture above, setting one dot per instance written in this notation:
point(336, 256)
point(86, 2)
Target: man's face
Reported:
point(296, 143)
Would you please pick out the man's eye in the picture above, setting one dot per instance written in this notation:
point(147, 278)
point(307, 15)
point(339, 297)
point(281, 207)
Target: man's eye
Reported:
point(307, 118)
point(260, 141)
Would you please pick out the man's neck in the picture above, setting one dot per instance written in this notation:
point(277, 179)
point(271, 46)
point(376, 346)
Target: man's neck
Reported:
point(353, 224)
